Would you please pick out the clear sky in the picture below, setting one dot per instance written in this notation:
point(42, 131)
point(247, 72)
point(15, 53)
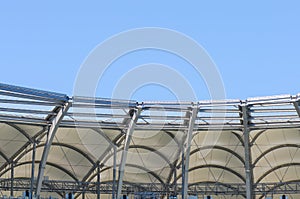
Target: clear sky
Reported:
point(255, 44)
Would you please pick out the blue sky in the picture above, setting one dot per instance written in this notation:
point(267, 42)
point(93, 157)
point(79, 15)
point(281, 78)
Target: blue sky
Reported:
point(255, 44)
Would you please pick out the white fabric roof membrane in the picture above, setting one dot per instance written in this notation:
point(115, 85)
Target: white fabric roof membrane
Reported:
point(93, 127)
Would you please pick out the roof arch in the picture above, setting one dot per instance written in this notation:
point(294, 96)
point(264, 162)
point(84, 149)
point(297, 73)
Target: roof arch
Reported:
point(275, 168)
point(19, 151)
point(218, 167)
point(134, 166)
point(267, 116)
point(48, 163)
point(213, 147)
point(257, 135)
point(60, 145)
point(145, 148)
point(100, 132)
point(4, 157)
point(20, 130)
point(273, 149)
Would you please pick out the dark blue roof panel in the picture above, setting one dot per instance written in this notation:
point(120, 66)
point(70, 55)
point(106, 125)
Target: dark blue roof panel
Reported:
point(17, 91)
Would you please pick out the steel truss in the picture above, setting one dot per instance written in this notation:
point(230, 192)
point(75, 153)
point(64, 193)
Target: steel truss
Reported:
point(274, 112)
point(207, 188)
point(53, 110)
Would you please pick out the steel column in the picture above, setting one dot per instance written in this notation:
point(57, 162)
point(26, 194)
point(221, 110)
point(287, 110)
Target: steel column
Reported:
point(98, 181)
point(186, 155)
point(114, 173)
point(12, 177)
point(248, 156)
point(296, 105)
point(32, 169)
point(175, 181)
point(182, 171)
point(129, 133)
point(50, 136)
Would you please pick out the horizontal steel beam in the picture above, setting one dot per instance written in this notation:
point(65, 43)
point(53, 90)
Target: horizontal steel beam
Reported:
point(206, 188)
point(32, 93)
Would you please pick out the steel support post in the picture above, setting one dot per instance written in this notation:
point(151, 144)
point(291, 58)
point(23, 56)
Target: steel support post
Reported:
point(182, 172)
point(175, 181)
point(248, 158)
point(12, 177)
point(98, 181)
point(50, 136)
point(129, 133)
point(32, 169)
point(296, 105)
point(114, 173)
point(186, 154)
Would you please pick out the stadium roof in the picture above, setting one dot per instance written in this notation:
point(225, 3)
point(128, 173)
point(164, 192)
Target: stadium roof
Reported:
point(246, 143)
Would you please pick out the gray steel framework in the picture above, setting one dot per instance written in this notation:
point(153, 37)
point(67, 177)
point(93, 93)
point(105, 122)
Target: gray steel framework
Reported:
point(248, 157)
point(203, 188)
point(131, 124)
point(55, 120)
point(51, 110)
point(187, 151)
